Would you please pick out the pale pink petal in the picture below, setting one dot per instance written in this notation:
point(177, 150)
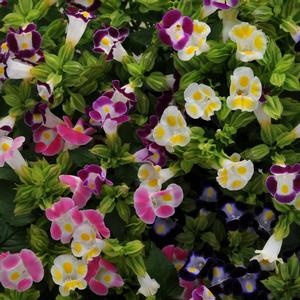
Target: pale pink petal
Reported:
point(55, 231)
point(118, 281)
point(32, 264)
point(18, 142)
point(59, 208)
point(96, 219)
point(71, 181)
point(177, 194)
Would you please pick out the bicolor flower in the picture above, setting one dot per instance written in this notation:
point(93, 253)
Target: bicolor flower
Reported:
point(229, 19)
point(148, 285)
point(41, 115)
point(24, 42)
point(89, 5)
point(251, 42)
point(284, 184)
point(160, 204)
point(18, 271)
point(107, 39)
point(45, 90)
point(175, 255)
point(123, 94)
point(3, 66)
point(6, 125)
point(74, 136)
point(201, 101)
point(145, 132)
point(269, 254)
point(152, 153)
point(188, 287)
point(234, 175)
point(78, 20)
point(152, 177)
point(172, 130)
point(210, 6)
point(248, 283)
point(175, 30)
point(10, 154)
point(192, 267)
point(162, 227)
point(231, 212)
point(85, 242)
point(265, 219)
point(68, 272)
point(48, 141)
point(16, 69)
point(262, 118)
point(197, 43)
point(218, 274)
point(65, 218)
point(102, 275)
point(202, 292)
point(245, 90)
point(209, 194)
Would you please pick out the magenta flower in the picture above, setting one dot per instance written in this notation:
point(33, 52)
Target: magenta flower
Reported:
point(24, 42)
point(175, 255)
point(210, 6)
point(161, 204)
point(19, 270)
point(146, 130)
point(74, 136)
point(65, 217)
point(175, 30)
point(3, 2)
point(89, 5)
point(39, 116)
point(152, 153)
point(102, 275)
point(284, 184)
point(48, 142)
point(188, 287)
point(107, 39)
point(10, 154)
point(202, 292)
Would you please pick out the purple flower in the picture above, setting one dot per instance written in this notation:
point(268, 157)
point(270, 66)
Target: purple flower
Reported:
point(231, 212)
point(3, 2)
point(202, 292)
point(162, 226)
point(89, 5)
point(3, 67)
point(45, 90)
point(145, 131)
point(175, 30)
point(210, 6)
point(37, 58)
point(24, 42)
point(248, 283)
point(192, 268)
point(93, 177)
point(39, 116)
point(107, 39)
point(284, 184)
point(152, 153)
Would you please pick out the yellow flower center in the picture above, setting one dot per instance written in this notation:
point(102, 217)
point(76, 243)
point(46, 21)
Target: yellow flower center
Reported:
point(14, 276)
point(5, 147)
point(68, 267)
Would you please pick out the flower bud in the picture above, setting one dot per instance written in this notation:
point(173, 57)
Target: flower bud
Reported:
point(133, 247)
point(38, 239)
point(257, 152)
point(262, 13)
point(157, 82)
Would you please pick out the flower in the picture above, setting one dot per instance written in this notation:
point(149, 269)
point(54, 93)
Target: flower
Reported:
point(6, 125)
point(175, 30)
point(175, 255)
point(284, 184)
point(123, 94)
point(152, 177)
point(231, 212)
point(248, 283)
point(16, 69)
point(210, 6)
point(19, 270)
point(3, 66)
point(78, 20)
point(218, 273)
point(89, 5)
point(162, 227)
point(235, 175)
point(265, 219)
point(74, 136)
point(197, 42)
point(192, 267)
point(229, 19)
point(3, 2)
point(172, 130)
point(24, 42)
point(209, 194)
point(269, 254)
point(41, 115)
point(251, 42)
point(201, 101)
point(102, 275)
point(161, 204)
point(245, 90)
point(10, 154)
point(65, 217)
point(45, 90)
point(202, 292)
point(107, 39)
point(148, 285)
point(69, 273)
point(48, 142)
point(144, 132)
point(262, 118)
point(152, 153)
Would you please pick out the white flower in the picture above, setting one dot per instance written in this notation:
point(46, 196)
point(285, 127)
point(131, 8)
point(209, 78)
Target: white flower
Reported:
point(18, 70)
point(235, 175)
point(172, 130)
point(245, 90)
point(251, 42)
point(262, 118)
point(6, 125)
point(201, 101)
point(119, 53)
point(269, 254)
point(229, 18)
point(148, 285)
point(197, 43)
point(153, 176)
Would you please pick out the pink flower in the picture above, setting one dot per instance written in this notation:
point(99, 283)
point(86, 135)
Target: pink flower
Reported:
point(19, 270)
point(48, 142)
point(188, 287)
point(102, 275)
point(161, 204)
point(65, 217)
point(74, 136)
point(175, 255)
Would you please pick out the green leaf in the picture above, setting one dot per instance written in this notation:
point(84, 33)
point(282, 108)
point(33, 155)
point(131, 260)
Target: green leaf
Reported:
point(293, 266)
point(273, 107)
point(210, 238)
point(291, 83)
point(277, 79)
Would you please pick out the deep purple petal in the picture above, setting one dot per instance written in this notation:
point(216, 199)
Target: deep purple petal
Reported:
point(36, 40)
point(285, 198)
point(182, 42)
point(187, 25)
point(171, 17)
point(296, 184)
point(271, 184)
point(165, 38)
point(12, 42)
